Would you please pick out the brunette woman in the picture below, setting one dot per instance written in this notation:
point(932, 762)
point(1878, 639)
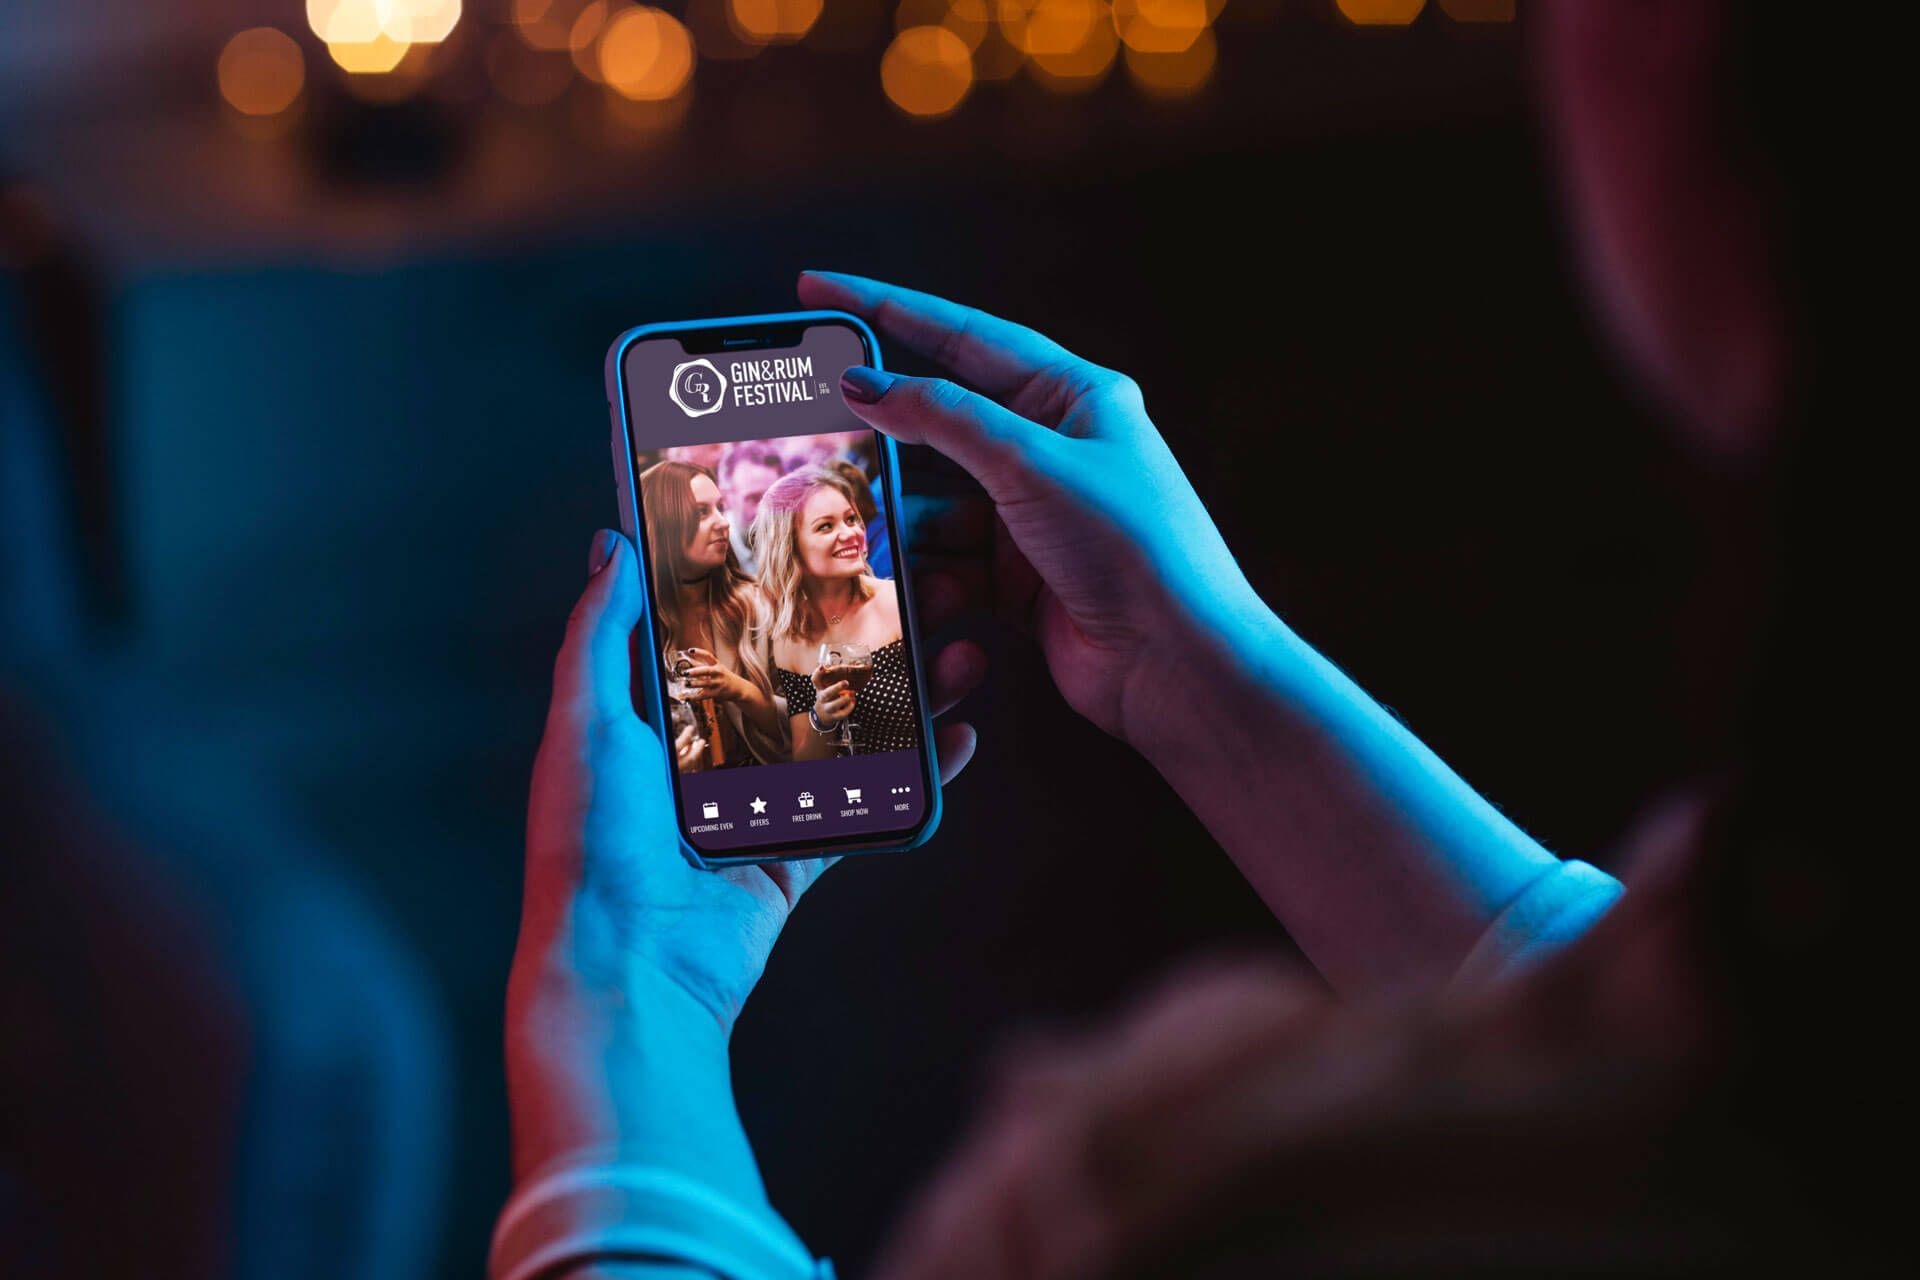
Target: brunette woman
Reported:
point(706, 612)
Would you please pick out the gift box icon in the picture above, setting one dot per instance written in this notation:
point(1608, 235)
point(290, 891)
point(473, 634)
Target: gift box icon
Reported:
point(806, 799)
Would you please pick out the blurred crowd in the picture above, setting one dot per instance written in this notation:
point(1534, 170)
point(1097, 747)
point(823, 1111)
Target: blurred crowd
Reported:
point(746, 469)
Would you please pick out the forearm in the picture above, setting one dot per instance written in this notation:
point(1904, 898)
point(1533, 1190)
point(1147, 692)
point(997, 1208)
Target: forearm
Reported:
point(810, 744)
point(1382, 863)
point(628, 1069)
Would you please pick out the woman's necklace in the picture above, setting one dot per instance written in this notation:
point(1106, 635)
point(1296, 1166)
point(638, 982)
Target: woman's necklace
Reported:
point(833, 619)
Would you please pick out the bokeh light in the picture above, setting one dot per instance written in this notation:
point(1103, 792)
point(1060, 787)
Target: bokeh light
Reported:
point(346, 21)
point(421, 21)
point(773, 21)
point(968, 19)
point(261, 72)
point(645, 54)
point(1381, 13)
point(1069, 43)
point(1160, 26)
point(926, 71)
point(366, 21)
point(368, 57)
point(584, 35)
point(1174, 73)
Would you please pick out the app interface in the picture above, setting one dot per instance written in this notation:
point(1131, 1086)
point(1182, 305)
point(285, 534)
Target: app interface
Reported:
point(788, 673)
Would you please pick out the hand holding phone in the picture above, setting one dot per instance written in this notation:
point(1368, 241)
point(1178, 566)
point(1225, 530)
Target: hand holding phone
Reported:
point(1103, 545)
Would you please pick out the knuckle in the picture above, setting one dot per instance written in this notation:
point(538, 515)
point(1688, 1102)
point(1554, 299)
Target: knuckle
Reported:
point(1114, 385)
point(943, 394)
point(957, 337)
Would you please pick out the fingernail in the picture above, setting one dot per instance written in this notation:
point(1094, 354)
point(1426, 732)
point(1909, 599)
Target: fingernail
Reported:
point(601, 552)
point(864, 385)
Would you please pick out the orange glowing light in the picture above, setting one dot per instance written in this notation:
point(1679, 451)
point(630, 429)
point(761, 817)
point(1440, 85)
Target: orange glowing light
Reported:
point(368, 57)
point(346, 21)
point(1381, 13)
point(645, 54)
point(1478, 10)
point(967, 19)
point(1176, 73)
point(1071, 43)
point(585, 33)
point(261, 72)
point(773, 21)
point(367, 21)
point(420, 21)
point(926, 71)
point(1160, 26)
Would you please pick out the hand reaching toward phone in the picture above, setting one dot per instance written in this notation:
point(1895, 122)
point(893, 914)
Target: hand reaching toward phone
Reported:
point(1107, 548)
point(1382, 863)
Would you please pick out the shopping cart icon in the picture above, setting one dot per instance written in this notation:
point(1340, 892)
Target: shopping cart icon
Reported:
point(853, 794)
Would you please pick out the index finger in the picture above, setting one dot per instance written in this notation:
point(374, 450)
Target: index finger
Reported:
point(999, 357)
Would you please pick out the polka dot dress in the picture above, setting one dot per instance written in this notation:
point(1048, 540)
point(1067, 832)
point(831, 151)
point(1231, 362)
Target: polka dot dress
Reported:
point(884, 718)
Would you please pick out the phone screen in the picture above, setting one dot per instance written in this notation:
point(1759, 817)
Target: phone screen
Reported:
point(780, 619)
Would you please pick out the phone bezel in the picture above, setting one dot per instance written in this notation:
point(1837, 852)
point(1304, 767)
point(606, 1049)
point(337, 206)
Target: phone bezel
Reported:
point(652, 708)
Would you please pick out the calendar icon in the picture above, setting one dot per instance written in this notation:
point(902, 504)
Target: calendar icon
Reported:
point(711, 809)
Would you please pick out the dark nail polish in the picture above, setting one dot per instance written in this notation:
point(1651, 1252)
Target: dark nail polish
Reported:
point(601, 552)
point(864, 385)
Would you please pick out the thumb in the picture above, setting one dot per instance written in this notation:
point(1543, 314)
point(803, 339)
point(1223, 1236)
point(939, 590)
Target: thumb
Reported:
point(592, 676)
point(1006, 453)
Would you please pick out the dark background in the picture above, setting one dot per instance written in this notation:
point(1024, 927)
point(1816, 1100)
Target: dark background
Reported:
point(331, 500)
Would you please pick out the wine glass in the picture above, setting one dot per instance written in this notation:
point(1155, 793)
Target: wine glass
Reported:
point(852, 663)
point(683, 661)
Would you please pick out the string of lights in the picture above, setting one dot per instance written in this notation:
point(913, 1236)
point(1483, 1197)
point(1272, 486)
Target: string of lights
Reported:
point(936, 55)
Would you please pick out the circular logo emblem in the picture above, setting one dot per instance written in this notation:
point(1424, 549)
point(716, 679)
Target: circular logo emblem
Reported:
point(697, 388)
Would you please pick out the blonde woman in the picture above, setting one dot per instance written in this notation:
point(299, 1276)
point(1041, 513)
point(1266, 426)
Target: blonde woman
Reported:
point(707, 615)
point(821, 598)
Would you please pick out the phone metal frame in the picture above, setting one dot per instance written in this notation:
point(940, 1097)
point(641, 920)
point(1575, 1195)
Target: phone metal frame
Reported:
point(653, 697)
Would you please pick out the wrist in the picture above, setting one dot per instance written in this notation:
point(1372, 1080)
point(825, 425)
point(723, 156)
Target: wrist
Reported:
point(618, 1062)
point(1209, 681)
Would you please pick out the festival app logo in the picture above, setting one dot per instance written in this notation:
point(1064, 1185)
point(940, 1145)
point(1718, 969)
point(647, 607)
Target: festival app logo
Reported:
point(698, 388)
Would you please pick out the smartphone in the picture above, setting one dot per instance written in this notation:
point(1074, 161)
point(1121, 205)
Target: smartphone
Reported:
point(781, 662)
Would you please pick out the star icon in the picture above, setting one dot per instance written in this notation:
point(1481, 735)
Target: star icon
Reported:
point(759, 805)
